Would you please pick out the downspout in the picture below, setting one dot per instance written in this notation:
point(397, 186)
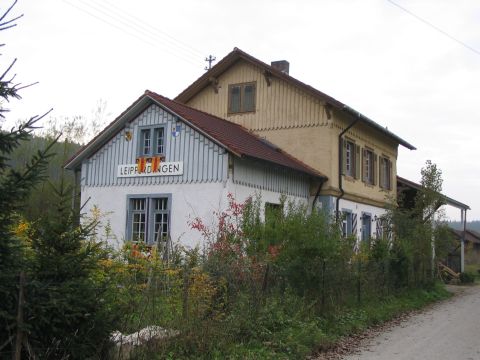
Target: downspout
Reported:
point(322, 181)
point(340, 165)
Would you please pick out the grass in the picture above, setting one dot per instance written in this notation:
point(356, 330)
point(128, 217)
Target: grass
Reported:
point(474, 270)
point(287, 328)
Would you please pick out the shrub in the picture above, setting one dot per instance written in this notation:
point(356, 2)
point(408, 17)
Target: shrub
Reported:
point(467, 278)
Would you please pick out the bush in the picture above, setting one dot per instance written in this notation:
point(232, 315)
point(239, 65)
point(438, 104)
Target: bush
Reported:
point(467, 278)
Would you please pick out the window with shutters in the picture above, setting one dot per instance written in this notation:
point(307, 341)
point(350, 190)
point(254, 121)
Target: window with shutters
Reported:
point(366, 226)
point(241, 98)
point(347, 225)
point(148, 218)
point(351, 159)
point(151, 141)
point(369, 159)
point(385, 173)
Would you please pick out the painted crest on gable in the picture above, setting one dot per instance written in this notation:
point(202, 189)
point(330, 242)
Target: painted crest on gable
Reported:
point(176, 130)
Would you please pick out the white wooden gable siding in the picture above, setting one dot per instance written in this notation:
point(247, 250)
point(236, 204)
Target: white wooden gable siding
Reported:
point(203, 160)
point(276, 179)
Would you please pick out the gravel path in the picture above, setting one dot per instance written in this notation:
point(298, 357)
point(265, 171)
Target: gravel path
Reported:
point(448, 330)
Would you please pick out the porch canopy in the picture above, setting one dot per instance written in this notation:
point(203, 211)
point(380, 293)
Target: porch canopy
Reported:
point(409, 190)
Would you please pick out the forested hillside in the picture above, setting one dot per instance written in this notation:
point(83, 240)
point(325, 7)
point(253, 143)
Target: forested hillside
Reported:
point(471, 225)
point(41, 198)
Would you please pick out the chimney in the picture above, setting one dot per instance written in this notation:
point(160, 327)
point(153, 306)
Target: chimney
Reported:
point(281, 65)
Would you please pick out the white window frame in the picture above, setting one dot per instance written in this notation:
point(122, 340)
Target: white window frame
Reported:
point(150, 213)
point(347, 222)
point(349, 158)
point(153, 141)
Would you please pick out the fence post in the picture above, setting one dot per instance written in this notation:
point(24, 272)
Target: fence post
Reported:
point(265, 279)
point(19, 338)
point(359, 279)
point(324, 265)
point(185, 293)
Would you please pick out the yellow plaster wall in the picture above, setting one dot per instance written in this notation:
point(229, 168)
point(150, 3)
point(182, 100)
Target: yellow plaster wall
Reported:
point(365, 137)
point(278, 106)
point(298, 123)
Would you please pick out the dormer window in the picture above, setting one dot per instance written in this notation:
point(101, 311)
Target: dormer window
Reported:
point(241, 98)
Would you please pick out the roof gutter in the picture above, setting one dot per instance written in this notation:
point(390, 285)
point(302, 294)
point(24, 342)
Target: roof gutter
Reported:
point(340, 164)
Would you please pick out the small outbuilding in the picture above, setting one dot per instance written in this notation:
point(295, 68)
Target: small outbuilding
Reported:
point(161, 164)
point(471, 248)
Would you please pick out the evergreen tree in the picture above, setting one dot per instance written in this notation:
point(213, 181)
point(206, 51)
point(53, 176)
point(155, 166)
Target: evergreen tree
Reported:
point(15, 187)
point(68, 315)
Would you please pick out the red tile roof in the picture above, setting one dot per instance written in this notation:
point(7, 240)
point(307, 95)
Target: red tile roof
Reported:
point(233, 137)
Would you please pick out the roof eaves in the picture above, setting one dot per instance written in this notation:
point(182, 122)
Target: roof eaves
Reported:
point(448, 200)
point(377, 126)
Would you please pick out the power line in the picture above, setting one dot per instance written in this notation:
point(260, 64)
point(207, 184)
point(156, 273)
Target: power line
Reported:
point(139, 25)
point(426, 22)
point(194, 51)
point(129, 29)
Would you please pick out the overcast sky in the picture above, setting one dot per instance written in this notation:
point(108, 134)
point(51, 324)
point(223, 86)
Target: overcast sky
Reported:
point(417, 80)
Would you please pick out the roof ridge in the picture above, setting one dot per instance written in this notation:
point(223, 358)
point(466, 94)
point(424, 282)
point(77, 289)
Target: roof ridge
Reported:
point(189, 92)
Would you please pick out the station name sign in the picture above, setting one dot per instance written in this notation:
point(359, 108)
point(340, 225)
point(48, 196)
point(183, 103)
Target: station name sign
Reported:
point(164, 169)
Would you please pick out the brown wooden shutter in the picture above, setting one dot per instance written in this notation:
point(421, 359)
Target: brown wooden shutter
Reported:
point(364, 168)
point(375, 168)
point(390, 178)
point(381, 174)
point(357, 161)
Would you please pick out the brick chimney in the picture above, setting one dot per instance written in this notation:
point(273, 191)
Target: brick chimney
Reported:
point(281, 65)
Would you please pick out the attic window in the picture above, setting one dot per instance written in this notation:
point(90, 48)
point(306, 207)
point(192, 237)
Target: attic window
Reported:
point(241, 98)
point(151, 141)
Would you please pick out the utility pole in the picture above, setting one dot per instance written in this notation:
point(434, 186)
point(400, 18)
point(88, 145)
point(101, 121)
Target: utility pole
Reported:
point(210, 59)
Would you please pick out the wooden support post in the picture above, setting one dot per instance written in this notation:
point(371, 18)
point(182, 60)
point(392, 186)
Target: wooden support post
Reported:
point(462, 241)
point(433, 247)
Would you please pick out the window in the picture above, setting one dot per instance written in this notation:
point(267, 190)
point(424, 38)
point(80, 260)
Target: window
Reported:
point(351, 159)
point(148, 218)
point(347, 223)
point(369, 161)
point(152, 141)
point(241, 98)
point(385, 173)
point(366, 226)
point(160, 218)
point(138, 219)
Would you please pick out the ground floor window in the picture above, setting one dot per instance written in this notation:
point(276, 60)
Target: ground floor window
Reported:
point(347, 223)
point(366, 226)
point(148, 218)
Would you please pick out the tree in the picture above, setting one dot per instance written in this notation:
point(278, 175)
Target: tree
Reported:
point(62, 312)
point(429, 199)
point(419, 231)
point(15, 186)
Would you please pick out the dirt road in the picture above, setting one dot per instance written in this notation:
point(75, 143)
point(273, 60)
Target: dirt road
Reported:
point(448, 330)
